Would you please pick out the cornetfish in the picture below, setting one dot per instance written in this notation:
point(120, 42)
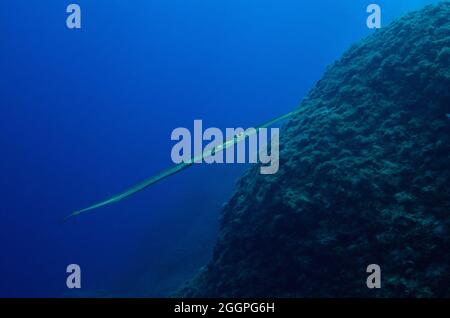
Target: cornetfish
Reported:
point(179, 167)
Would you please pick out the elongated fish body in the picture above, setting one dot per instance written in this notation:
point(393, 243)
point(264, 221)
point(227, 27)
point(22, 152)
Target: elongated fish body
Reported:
point(180, 167)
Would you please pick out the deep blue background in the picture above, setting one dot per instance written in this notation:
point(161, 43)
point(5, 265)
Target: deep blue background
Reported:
point(87, 113)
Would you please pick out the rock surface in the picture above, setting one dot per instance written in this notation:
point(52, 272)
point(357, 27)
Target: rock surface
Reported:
point(364, 178)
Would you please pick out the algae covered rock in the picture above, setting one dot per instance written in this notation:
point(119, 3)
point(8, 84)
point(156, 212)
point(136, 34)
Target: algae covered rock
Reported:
point(364, 179)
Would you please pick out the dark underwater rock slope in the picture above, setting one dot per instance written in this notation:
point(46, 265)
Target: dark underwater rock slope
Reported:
point(364, 178)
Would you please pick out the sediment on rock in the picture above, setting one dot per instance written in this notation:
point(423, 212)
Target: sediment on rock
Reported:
point(363, 179)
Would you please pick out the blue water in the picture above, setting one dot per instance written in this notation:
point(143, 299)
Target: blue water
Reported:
point(86, 113)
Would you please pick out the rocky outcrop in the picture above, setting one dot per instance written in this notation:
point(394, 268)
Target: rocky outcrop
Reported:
point(364, 178)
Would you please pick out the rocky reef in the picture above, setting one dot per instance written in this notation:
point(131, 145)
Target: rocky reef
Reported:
point(364, 179)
